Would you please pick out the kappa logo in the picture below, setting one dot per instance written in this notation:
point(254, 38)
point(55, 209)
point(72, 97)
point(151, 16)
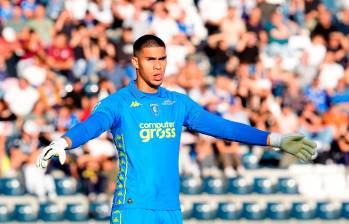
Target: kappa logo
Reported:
point(168, 102)
point(135, 104)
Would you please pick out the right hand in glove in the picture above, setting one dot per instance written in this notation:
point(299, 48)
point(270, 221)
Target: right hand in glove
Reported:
point(56, 148)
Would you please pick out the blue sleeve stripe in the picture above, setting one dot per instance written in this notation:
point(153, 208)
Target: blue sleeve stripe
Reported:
point(94, 126)
point(210, 124)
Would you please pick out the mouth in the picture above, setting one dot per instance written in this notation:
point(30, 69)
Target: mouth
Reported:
point(157, 77)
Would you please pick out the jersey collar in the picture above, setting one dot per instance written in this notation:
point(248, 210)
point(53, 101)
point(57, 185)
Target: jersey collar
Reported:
point(139, 94)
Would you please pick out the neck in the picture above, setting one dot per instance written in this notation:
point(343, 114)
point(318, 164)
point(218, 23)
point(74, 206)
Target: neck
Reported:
point(145, 87)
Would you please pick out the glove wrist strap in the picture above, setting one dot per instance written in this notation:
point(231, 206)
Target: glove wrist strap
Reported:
point(62, 142)
point(275, 139)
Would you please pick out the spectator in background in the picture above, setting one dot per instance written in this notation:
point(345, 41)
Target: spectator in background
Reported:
point(278, 35)
point(42, 25)
point(177, 50)
point(294, 97)
point(247, 49)
point(89, 168)
point(54, 8)
point(212, 12)
point(312, 126)
point(339, 97)
point(139, 21)
point(29, 7)
point(113, 72)
point(230, 152)
point(317, 95)
point(341, 149)
point(6, 10)
point(232, 27)
point(101, 11)
point(77, 8)
point(162, 24)
point(60, 56)
point(32, 46)
point(9, 47)
point(21, 98)
point(325, 26)
point(17, 21)
point(73, 97)
point(343, 21)
point(124, 46)
point(65, 23)
point(254, 24)
point(330, 72)
point(191, 76)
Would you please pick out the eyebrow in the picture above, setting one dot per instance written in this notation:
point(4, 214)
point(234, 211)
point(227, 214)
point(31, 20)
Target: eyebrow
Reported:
point(154, 58)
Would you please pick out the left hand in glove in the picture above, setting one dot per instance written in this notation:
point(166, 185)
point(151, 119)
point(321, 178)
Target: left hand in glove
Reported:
point(295, 144)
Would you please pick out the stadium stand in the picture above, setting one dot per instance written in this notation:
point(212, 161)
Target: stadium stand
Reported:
point(279, 65)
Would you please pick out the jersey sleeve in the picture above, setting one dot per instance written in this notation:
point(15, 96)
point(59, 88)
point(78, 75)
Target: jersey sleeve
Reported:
point(200, 120)
point(103, 117)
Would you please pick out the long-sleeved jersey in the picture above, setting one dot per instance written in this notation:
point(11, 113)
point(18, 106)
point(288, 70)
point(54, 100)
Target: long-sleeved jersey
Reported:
point(146, 130)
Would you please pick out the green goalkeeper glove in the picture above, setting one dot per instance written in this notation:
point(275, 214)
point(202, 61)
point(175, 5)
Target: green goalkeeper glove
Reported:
point(295, 144)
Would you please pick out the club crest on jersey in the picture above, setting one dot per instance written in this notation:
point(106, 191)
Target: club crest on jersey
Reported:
point(155, 109)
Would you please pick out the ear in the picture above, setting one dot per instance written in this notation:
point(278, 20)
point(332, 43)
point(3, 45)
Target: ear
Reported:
point(134, 62)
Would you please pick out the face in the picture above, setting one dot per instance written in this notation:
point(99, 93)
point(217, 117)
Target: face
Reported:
point(150, 64)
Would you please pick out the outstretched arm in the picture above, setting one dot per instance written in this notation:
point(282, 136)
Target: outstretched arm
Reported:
point(100, 121)
point(205, 122)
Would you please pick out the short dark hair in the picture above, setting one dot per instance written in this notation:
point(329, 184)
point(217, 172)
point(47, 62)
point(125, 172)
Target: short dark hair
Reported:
point(147, 40)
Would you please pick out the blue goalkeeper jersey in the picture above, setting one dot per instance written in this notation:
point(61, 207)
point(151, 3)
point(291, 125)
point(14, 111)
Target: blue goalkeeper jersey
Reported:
point(146, 130)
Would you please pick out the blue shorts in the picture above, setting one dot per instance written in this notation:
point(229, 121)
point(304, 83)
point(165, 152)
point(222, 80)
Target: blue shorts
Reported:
point(146, 216)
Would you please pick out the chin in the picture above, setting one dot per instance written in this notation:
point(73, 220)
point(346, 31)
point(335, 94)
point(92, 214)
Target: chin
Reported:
point(156, 83)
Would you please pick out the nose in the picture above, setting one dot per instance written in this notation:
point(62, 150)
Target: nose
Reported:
point(157, 65)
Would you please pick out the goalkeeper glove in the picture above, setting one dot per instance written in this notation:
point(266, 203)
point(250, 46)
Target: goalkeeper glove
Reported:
point(295, 144)
point(56, 148)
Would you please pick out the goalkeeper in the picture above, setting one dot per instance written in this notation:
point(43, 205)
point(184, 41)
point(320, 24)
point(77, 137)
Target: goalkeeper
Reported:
point(146, 122)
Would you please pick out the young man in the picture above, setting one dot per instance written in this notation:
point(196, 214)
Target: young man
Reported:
point(146, 122)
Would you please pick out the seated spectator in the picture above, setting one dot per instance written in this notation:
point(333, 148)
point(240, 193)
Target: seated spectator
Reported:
point(60, 56)
point(190, 75)
point(312, 126)
point(114, 72)
point(162, 24)
point(278, 32)
point(89, 169)
point(343, 21)
point(101, 11)
point(339, 97)
point(232, 27)
point(229, 152)
point(21, 98)
point(41, 24)
point(29, 7)
point(247, 49)
point(254, 24)
point(317, 95)
point(17, 21)
point(177, 51)
point(6, 10)
point(337, 119)
point(325, 26)
point(330, 72)
point(342, 144)
point(338, 45)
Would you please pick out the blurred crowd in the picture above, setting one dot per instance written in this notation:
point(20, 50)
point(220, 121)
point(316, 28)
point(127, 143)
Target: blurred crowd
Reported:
point(278, 65)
